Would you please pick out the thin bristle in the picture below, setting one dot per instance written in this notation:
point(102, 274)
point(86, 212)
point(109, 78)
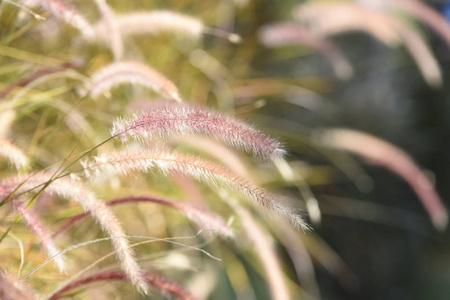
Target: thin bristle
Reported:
point(178, 119)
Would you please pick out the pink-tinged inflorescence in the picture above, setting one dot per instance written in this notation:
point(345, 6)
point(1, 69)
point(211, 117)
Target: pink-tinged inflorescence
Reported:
point(154, 22)
point(204, 218)
point(131, 72)
point(67, 188)
point(338, 17)
point(157, 282)
point(13, 154)
point(41, 233)
point(112, 30)
point(398, 161)
point(12, 288)
point(132, 161)
point(328, 18)
point(69, 15)
point(281, 34)
point(177, 119)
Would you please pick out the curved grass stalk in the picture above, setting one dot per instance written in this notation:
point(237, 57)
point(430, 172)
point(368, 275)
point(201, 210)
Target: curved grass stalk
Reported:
point(281, 34)
point(12, 288)
point(396, 160)
point(427, 15)
point(264, 249)
point(204, 218)
point(157, 282)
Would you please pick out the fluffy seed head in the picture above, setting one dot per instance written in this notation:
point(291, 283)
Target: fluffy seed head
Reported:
point(13, 154)
point(42, 234)
point(178, 119)
point(67, 188)
point(129, 162)
point(155, 22)
point(131, 72)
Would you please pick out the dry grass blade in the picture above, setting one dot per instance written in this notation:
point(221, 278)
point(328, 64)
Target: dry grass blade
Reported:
point(66, 188)
point(129, 162)
point(157, 282)
point(131, 72)
point(203, 217)
point(387, 155)
point(173, 119)
point(290, 33)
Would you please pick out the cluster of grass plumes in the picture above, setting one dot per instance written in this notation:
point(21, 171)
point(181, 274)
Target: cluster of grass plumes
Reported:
point(61, 164)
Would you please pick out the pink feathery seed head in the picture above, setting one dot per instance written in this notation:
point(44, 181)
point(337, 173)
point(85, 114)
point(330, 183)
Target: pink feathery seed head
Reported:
point(132, 161)
point(292, 33)
point(157, 282)
point(13, 153)
point(13, 288)
point(131, 72)
point(42, 234)
point(178, 119)
point(155, 22)
point(69, 15)
point(396, 160)
point(67, 188)
point(204, 218)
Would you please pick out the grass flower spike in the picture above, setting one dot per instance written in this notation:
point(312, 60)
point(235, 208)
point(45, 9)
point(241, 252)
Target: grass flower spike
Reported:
point(174, 119)
point(131, 72)
point(66, 188)
point(129, 162)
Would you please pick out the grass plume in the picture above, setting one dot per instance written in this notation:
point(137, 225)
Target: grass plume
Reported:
point(132, 161)
point(177, 119)
point(131, 72)
point(70, 189)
